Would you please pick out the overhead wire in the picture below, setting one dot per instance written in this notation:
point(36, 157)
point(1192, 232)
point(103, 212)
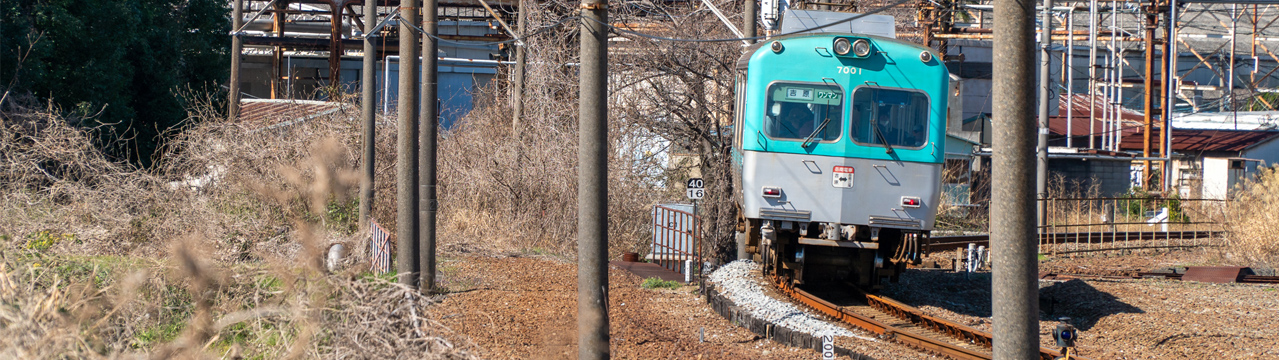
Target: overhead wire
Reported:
point(663, 38)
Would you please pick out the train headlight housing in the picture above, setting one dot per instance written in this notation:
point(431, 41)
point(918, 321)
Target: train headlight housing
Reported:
point(861, 48)
point(772, 192)
point(776, 46)
point(851, 47)
point(925, 56)
point(910, 202)
point(842, 46)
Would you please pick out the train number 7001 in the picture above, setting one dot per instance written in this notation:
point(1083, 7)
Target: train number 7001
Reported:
point(849, 70)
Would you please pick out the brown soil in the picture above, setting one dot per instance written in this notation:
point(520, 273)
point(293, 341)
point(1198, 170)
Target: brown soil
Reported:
point(518, 307)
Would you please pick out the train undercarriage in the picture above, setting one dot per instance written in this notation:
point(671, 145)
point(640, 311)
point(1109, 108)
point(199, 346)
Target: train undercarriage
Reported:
point(811, 252)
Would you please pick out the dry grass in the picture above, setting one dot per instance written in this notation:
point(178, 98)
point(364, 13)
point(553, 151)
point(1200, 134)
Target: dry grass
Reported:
point(104, 260)
point(1252, 221)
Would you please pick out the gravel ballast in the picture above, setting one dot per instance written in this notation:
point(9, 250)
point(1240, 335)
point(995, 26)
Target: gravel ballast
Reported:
point(739, 281)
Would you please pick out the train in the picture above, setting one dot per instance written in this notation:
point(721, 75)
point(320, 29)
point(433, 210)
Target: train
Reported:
point(838, 152)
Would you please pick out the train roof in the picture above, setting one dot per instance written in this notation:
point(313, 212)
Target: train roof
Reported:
point(744, 60)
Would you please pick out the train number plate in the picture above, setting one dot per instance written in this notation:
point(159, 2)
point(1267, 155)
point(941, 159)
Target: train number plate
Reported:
point(842, 177)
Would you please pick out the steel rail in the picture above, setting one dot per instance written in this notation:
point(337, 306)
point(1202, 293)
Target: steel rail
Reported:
point(907, 313)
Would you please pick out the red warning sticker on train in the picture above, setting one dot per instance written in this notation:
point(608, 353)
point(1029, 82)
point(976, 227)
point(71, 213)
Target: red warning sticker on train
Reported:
point(844, 169)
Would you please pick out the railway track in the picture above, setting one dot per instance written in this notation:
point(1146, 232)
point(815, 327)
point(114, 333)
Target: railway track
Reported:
point(1244, 279)
point(943, 243)
point(899, 322)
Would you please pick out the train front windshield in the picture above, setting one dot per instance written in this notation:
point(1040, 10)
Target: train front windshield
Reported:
point(797, 111)
point(896, 116)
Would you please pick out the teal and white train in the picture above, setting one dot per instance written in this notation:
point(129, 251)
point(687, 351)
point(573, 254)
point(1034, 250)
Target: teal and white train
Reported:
point(839, 148)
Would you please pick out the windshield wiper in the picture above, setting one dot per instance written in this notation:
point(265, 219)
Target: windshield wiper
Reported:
point(882, 139)
point(816, 131)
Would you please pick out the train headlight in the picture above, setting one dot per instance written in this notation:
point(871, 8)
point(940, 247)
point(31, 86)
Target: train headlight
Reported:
point(776, 46)
point(842, 46)
point(925, 56)
point(861, 48)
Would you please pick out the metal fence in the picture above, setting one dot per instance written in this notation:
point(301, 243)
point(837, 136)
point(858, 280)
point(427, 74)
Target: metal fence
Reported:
point(676, 238)
point(1104, 224)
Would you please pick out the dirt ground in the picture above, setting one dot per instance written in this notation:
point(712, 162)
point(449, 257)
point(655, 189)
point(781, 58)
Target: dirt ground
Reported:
point(518, 307)
point(524, 307)
point(1122, 319)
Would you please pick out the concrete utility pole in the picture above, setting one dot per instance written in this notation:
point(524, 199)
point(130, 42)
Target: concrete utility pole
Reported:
point(592, 184)
point(430, 124)
point(367, 92)
point(1045, 99)
point(237, 47)
point(520, 60)
point(1015, 302)
point(748, 26)
point(406, 149)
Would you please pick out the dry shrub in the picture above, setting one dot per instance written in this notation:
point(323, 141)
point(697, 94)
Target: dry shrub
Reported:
point(495, 194)
point(58, 189)
point(1252, 220)
point(215, 253)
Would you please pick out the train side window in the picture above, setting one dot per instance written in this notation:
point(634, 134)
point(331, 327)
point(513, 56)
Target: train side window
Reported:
point(796, 111)
point(897, 116)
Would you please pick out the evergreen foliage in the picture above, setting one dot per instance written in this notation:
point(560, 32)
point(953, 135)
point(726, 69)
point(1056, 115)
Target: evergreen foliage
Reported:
point(120, 67)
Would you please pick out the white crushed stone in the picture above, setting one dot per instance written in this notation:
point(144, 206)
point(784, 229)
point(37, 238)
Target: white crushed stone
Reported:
point(736, 280)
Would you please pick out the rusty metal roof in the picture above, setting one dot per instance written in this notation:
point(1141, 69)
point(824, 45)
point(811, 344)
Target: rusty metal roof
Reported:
point(264, 113)
point(1183, 140)
point(1187, 140)
point(1081, 108)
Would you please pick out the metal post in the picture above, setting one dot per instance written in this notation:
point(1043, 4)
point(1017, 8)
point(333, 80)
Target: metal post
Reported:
point(592, 184)
point(1230, 73)
point(1045, 90)
point(430, 125)
point(1171, 83)
point(335, 47)
point(1012, 236)
point(1148, 96)
point(368, 89)
point(520, 60)
point(277, 53)
point(748, 21)
point(237, 49)
point(406, 145)
point(1092, 74)
point(1070, 79)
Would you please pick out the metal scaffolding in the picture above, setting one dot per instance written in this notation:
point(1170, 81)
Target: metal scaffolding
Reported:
point(283, 29)
point(1118, 56)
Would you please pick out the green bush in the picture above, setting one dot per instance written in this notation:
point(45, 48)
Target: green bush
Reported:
point(655, 283)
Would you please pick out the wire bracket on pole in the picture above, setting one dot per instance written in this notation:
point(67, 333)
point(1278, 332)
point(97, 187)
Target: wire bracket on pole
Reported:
point(240, 31)
point(724, 20)
point(518, 41)
point(376, 29)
